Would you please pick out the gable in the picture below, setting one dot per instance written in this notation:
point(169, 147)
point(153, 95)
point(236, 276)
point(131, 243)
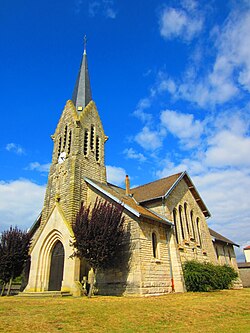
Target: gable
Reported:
point(55, 221)
point(218, 237)
point(163, 188)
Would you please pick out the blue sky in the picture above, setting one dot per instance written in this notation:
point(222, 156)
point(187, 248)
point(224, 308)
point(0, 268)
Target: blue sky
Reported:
point(171, 80)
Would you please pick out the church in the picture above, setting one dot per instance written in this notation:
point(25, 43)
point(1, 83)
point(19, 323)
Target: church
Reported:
point(165, 219)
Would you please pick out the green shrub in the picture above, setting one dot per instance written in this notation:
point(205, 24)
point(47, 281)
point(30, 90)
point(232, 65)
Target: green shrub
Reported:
point(206, 276)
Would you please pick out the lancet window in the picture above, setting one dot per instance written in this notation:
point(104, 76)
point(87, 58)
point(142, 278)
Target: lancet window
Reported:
point(92, 137)
point(86, 142)
point(59, 147)
point(186, 218)
point(198, 230)
point(69, 142)
point(181, 223)
point(97, 152)
point(65, 137)
point(175, 225)
point(192, 223)
point(154, 245)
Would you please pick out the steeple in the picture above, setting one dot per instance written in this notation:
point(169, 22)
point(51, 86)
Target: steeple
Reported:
point(82, 92)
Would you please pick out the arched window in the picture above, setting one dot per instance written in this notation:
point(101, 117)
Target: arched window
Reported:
point(175, 225)
point(69, 142)
point(65, 137)
point(186, 218)
point(97, 149)
point(59, 147)
point(154, 245)
point(86, 142)
point(217, 253)
point(92, 137)
point(181, 223)
point(192, 223)
point(198, 230)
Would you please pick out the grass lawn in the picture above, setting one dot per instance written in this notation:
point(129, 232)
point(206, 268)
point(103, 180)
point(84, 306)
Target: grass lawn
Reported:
point(223, 311)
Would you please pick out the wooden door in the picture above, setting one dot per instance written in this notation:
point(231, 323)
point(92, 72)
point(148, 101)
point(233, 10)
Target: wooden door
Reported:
point(56, 267)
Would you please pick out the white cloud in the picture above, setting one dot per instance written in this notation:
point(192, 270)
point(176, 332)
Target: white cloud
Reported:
point(94, 8)
point(225, 193)
point(78, 4)
point(20, 203)
point(228, 149)
point(143, 104)
point(149, 140)
point(115, 175)
point(179, 23)
point(15, 148)
point(110, 13)
point(104, 7)
point(132, 154)
point(39, 167)
point(183, 126)
point(234, 45)
point(229, 75)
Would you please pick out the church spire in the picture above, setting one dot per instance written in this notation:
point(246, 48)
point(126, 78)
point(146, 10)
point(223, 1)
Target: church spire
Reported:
point(82, 92)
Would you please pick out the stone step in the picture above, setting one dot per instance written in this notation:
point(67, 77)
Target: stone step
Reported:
point(44, 294)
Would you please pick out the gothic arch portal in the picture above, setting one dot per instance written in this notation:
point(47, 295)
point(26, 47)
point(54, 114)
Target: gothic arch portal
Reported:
point(56, 267)
point(45, 259)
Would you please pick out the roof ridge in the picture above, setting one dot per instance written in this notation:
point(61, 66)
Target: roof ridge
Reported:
point(154, 181)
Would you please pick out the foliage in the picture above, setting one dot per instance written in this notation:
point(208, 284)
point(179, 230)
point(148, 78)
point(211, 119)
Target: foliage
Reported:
point(14, 252)
point(206, 276)
point(99, 234)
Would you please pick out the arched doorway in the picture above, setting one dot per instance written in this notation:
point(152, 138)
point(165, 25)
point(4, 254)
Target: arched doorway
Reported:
point(56, 267)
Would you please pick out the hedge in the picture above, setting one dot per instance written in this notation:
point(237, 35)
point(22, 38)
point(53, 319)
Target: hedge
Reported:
point(207, 277)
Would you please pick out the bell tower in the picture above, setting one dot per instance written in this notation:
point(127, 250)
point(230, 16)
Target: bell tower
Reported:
point(78, 150)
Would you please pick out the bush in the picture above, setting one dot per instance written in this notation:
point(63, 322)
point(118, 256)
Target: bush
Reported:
point(206, 276)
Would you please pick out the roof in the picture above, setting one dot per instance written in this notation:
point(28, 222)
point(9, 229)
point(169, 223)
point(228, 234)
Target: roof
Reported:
point(154, 190)
point(118, 195)
point(247, 247)
point(82, 91)
point(243, 264)
point(162, 188)
point(221, 238)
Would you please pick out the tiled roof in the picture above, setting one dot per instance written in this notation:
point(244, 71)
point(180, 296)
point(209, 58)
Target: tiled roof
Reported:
point(247, 247)
point(156, 189)
point(163, 187)
point(221, 238)
point(117, 193)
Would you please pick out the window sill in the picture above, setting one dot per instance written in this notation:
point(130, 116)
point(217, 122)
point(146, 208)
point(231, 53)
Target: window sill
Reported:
point(157, 261)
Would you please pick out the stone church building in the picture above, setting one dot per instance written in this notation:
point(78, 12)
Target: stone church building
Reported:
point(165, 219)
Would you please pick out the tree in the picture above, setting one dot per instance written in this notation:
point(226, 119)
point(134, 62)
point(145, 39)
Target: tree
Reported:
point(99, 235)
point(14, 252)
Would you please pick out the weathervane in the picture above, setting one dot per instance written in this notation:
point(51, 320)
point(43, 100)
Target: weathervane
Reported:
point(85, 44)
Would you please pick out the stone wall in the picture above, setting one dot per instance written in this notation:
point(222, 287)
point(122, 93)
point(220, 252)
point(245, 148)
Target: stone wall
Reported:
point(244, 269)
point(225, 254)
point(192, 244)
point(66, 180)
point(143, 274)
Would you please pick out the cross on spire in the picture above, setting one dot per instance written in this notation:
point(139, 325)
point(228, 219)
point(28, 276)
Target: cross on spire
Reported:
point(85, 44)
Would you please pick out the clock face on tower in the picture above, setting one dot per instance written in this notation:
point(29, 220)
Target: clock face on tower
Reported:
point(62, 157)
